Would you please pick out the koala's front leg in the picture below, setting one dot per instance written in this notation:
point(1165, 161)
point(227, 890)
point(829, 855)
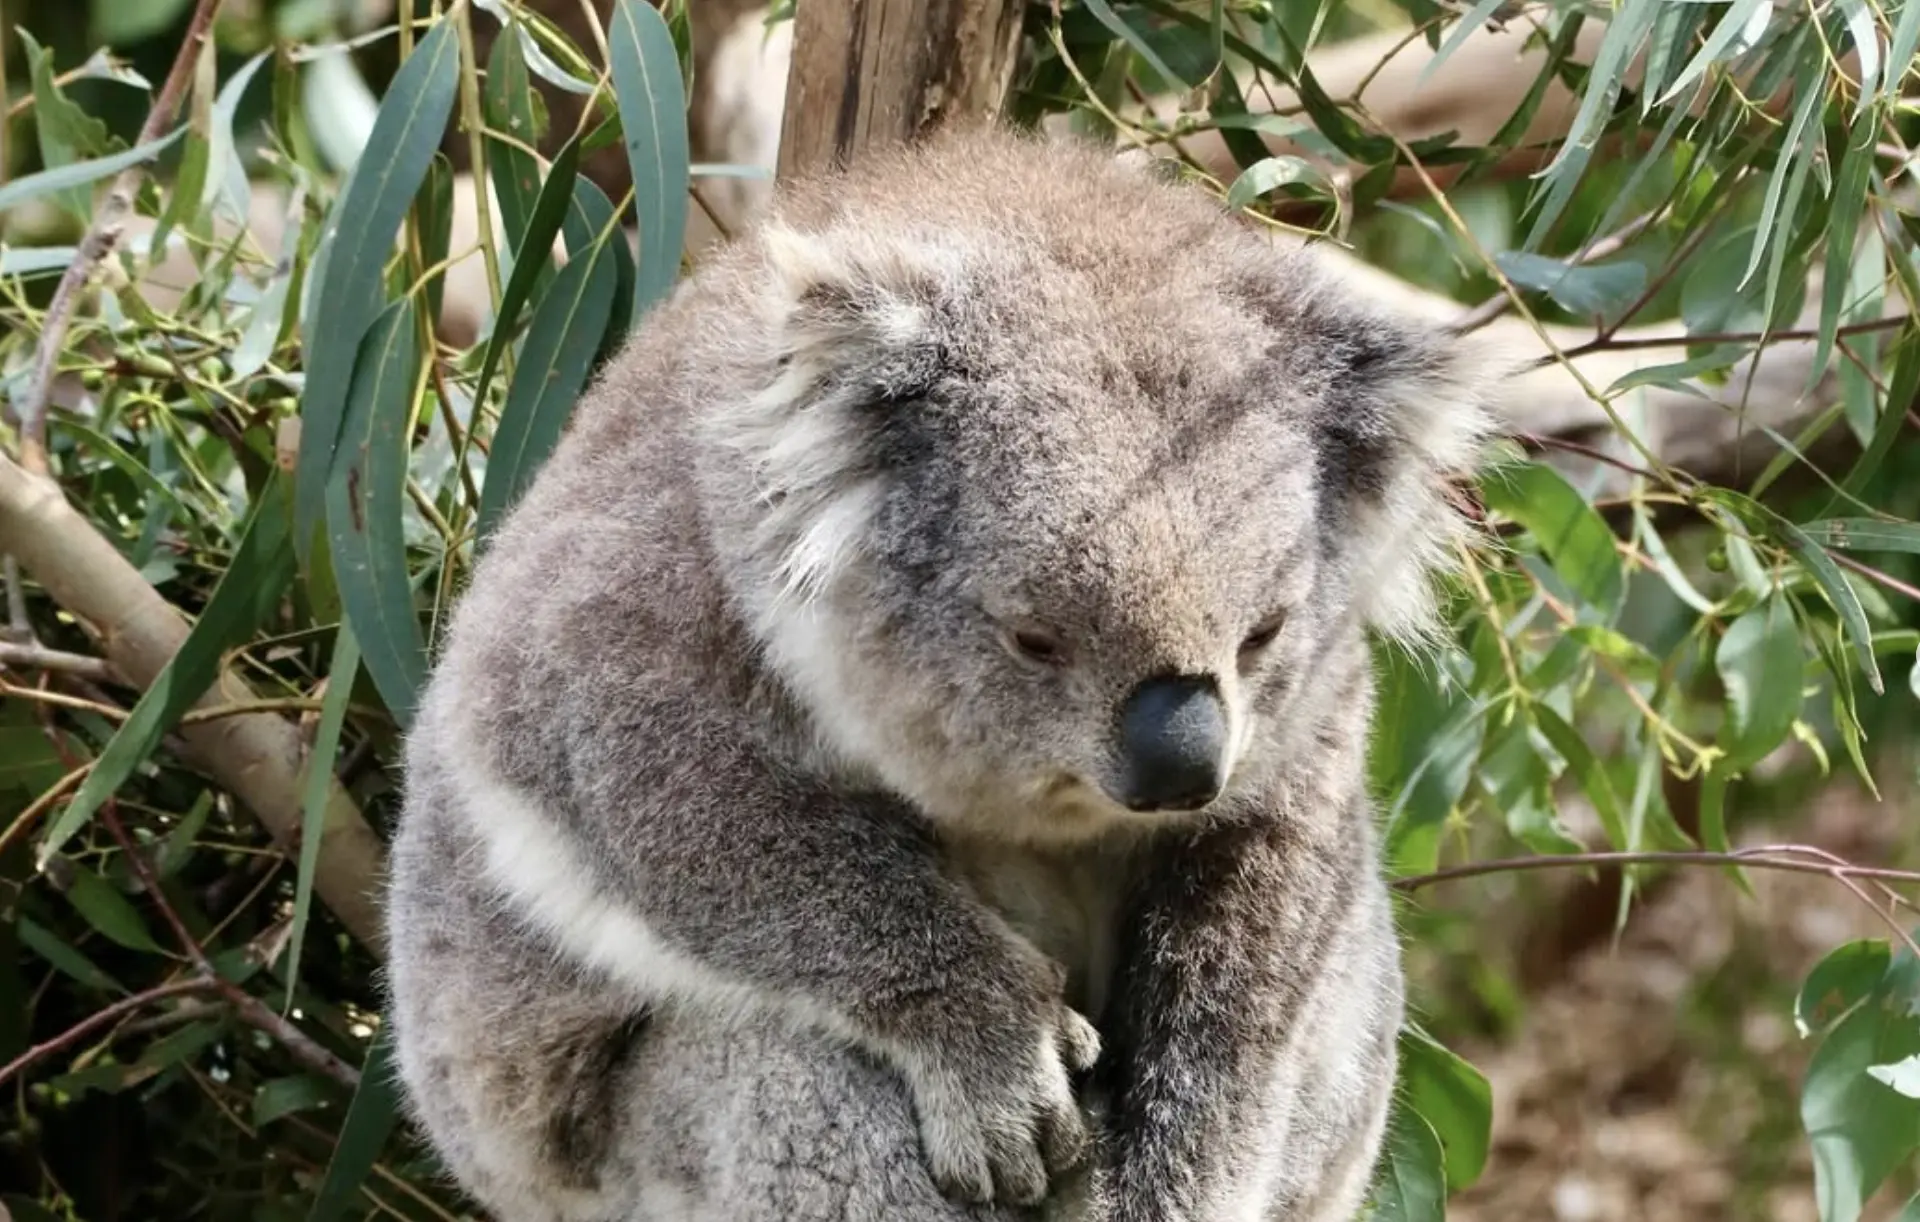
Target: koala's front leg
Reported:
point(1228, 948)
point(765, 885)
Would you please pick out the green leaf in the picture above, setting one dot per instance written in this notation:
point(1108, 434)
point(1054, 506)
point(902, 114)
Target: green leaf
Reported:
point(183, 201)
point(1740, 15)
point(1411, 1183)
point(653, 117)
point(1901, 389)
point(1571, 532)
point(1866, 534)
point(67, 133)
point(1820, 566)
point(285, 1096)
point(265, 323)
point(364, 504)
point(590, 216)
point(1454, 1098)
point(122, 25)
point(108, 911)
point(1848, 975)
point(1104, 13)
point(80, 173)
point(1272, 173)
point(1591, 289)
point(64, 958)
point(247, 593)
point(1843, 220)
point(1656, 550)
point(227, 184)
point(556, 195)
point(1588, 771)
point(317, 788)
point(435, 214)
point(1905, 40)
point(562, 342)
point(1521, 788)
point(371, 1118)
point(1760, 663)
point(406, 134)
point(513, 106)
point(1859, 1128)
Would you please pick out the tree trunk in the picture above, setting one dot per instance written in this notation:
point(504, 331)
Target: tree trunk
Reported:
point(869, 73)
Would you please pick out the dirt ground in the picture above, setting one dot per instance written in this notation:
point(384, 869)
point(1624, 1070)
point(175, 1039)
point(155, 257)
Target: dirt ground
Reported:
point(1620, 1098)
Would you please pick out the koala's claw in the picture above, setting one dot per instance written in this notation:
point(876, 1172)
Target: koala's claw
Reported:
point(999, 1123)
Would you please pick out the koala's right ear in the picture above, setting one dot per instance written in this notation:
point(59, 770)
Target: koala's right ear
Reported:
point(850, 307)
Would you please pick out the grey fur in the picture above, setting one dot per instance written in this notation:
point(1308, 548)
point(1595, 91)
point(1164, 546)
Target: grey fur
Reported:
point(747, 872)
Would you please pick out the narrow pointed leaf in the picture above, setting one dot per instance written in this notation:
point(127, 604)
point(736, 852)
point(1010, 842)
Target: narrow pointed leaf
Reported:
point(549, 211)
point(406, 134)
point(317, 788)
point(562, 342)
point(651, 93)
point(371, 1118)
point(80, 173)
point(364, 503)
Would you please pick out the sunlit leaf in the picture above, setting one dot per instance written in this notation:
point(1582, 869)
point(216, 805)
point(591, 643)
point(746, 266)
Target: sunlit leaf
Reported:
point(1571, 532)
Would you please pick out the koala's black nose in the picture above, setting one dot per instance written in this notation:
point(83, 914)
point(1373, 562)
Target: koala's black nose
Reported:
point(1173, 743)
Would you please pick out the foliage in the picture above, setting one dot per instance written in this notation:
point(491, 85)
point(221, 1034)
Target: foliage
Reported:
point(290, 452)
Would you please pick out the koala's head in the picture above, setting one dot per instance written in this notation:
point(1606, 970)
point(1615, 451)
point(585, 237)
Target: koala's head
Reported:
point(1047, 485)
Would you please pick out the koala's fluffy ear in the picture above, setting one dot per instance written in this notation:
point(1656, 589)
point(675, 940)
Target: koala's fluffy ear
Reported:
point(855, 324)
point(850, 307)
point(1404, 407)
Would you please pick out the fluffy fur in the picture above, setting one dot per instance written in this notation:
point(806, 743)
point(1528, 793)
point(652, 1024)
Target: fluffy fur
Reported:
point(749, 870)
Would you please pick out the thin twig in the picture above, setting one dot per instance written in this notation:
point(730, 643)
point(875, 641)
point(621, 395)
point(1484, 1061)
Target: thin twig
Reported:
point(100, 239)
point(1612, 344)
point(104, 1017)
point(28, 656)
point(1875, 575)
point(1767, 857)
point(252, 1010)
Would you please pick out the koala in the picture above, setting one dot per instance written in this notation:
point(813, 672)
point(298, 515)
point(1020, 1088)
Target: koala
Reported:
point(903, 756)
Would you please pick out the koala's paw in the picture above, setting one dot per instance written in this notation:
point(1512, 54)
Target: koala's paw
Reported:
point(997, 1113)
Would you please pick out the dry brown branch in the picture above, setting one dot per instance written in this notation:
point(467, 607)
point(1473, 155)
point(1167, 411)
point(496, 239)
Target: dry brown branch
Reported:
point(258, 757)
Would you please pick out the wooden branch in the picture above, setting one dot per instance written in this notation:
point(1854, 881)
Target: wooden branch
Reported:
point(870, 73)
point(257, 757)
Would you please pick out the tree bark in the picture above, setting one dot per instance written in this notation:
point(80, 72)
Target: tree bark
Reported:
point(870, 73)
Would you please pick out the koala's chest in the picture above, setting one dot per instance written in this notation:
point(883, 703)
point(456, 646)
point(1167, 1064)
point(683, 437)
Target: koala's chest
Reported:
point(1066, 902)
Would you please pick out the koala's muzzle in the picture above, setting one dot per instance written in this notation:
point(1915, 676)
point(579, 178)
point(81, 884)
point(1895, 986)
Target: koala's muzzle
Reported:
point(1173, 744)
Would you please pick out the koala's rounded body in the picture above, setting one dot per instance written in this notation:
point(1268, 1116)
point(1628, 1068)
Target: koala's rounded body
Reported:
point(903, 759)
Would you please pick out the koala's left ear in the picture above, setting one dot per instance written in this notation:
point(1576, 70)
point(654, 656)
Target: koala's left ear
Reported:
point(1404, 406)
point(849, 305)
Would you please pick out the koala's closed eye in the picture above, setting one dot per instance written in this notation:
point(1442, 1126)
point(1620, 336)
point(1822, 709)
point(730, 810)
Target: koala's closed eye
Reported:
point(1033, 643)
point(1263, 635)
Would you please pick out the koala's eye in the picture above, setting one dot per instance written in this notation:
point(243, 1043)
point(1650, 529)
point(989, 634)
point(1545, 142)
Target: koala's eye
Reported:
point(1263, 636)
point(1033, 643)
